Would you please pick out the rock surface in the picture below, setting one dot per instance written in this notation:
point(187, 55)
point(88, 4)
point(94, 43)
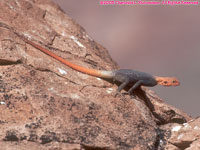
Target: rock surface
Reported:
point(184, 136)
point(46, 105)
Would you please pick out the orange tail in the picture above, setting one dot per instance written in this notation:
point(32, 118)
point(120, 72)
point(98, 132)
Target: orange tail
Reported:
point(92, 72)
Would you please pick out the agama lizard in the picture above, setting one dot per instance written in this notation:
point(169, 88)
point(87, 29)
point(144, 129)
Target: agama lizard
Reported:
point(124, 76)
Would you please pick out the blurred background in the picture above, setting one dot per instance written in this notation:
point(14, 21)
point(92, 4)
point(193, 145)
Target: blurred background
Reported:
point(161, 40)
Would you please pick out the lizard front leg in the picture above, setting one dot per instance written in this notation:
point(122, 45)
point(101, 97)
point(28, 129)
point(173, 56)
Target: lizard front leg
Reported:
point(135, 86)
point(122, 86)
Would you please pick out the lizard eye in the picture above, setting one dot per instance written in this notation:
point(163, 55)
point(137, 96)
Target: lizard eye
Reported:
point(173, 81)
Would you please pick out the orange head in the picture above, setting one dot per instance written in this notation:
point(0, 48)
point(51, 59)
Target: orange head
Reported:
point(167, 81)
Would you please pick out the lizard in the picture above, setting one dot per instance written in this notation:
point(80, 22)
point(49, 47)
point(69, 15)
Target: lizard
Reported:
point(124, 76)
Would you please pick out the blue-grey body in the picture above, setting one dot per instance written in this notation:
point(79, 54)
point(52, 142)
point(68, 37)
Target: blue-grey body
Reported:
point(134, 78)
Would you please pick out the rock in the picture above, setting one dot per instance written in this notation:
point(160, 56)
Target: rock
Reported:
point(186, 136)
point(47, 105)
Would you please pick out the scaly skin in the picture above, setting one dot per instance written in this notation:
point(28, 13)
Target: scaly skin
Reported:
point(124, 76)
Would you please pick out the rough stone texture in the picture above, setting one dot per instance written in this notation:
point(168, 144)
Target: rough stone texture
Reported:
point(186, 136)
point(46, 105)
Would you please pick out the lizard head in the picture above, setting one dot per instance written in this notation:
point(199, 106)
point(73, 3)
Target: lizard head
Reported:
point(167, 81)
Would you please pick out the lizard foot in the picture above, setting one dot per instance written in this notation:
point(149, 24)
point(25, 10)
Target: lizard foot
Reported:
point(118, 94)
point(132, 96)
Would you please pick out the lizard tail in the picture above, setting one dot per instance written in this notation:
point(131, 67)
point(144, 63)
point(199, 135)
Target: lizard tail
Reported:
point(92, 72)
